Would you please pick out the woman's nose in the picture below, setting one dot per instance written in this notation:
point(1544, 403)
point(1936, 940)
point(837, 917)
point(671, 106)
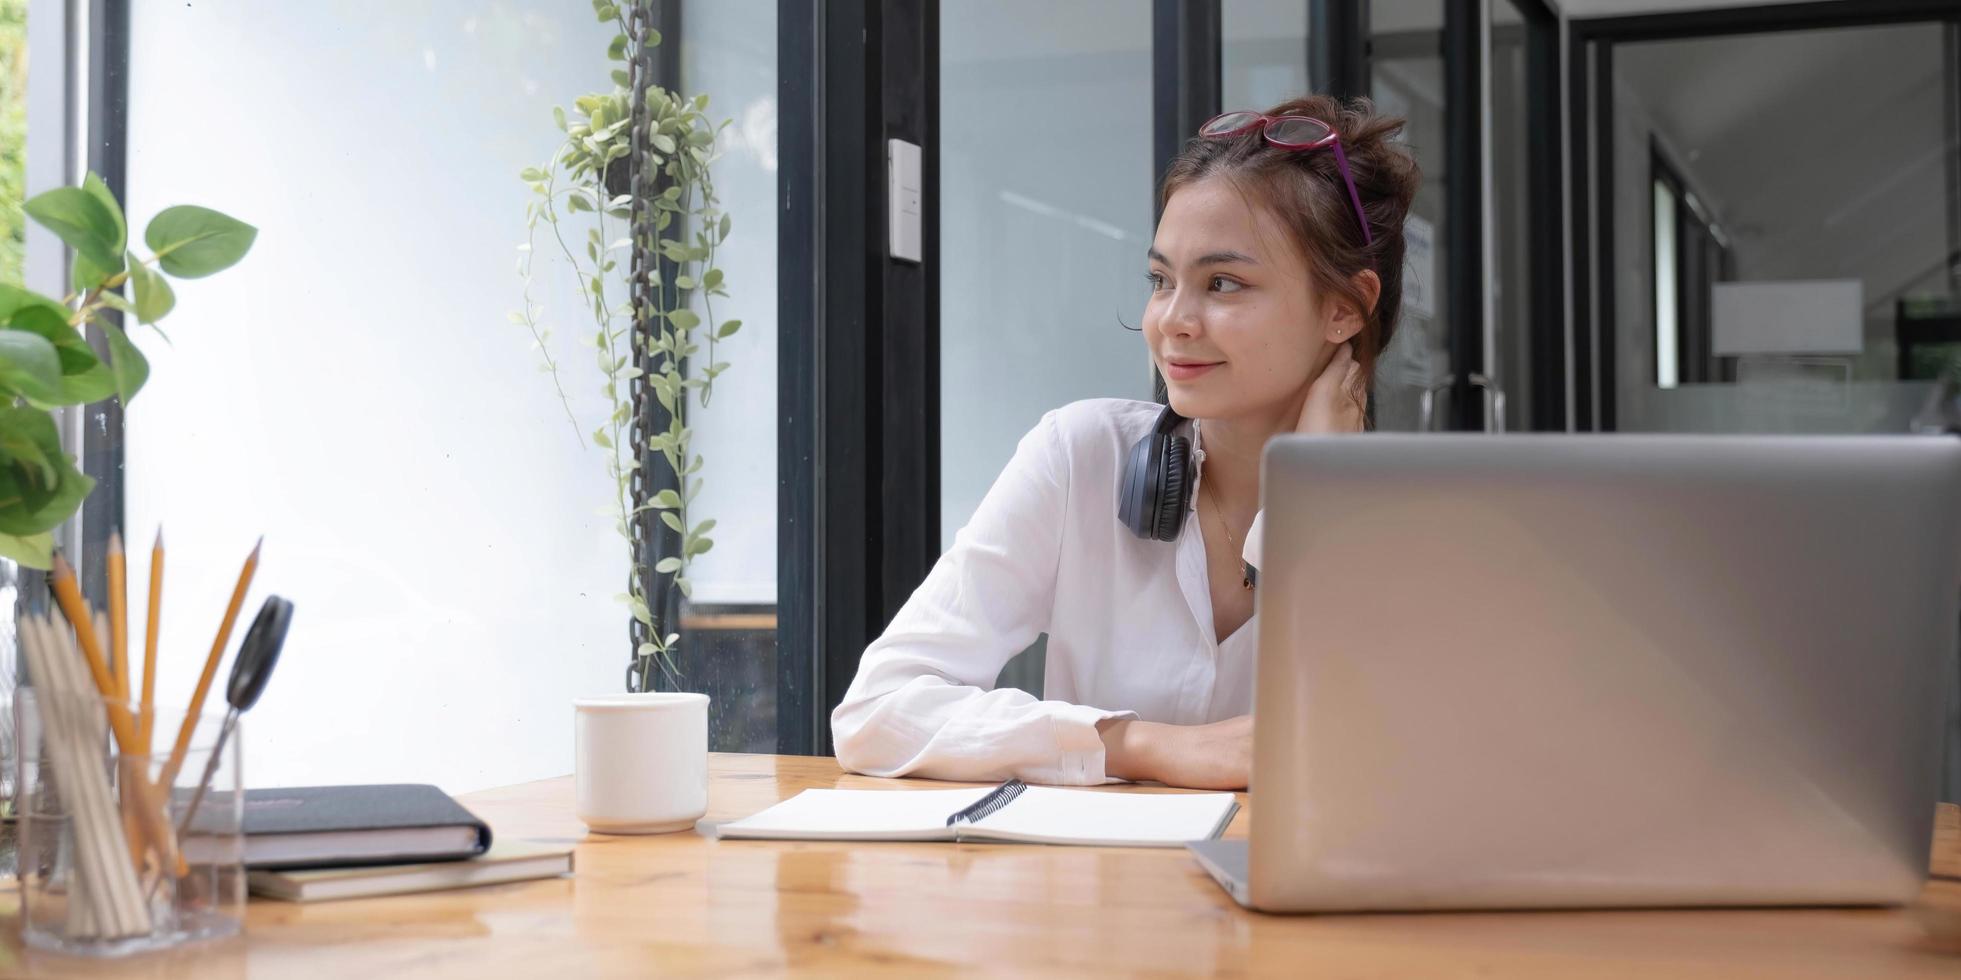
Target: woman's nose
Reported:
point(1184, 317)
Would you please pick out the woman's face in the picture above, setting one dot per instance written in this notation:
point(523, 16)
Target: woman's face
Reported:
point(1234, 322)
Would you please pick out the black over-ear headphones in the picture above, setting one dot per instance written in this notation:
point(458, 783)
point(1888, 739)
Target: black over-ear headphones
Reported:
point(1157, 482)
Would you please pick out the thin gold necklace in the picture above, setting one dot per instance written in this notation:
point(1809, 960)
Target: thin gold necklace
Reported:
point(1245, 580)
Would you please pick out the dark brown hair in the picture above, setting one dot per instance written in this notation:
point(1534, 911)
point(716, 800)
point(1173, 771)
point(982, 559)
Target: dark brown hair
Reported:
point(1305, 191)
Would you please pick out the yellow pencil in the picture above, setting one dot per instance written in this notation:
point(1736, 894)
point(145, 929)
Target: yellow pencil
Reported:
point(147, 715)
point(119, 616)
point(69, 596)
point(183, 745)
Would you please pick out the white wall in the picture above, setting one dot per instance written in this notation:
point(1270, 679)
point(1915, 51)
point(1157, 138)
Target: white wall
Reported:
point(354, 391)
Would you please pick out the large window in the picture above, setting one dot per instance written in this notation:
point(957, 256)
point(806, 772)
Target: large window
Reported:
point(355, 391)
point(1046, 214)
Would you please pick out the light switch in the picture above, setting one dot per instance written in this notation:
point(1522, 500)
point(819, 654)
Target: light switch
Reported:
point(905, 201)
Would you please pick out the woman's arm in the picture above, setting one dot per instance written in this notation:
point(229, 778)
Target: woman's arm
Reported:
point(923, 702)
point(1214, 756)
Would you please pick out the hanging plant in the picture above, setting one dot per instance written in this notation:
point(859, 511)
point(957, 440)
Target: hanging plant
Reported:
point(627, 201)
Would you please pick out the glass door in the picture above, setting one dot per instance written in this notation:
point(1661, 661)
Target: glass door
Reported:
point(1406, 78)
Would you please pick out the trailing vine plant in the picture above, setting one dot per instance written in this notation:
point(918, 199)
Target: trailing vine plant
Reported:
point(632, 179)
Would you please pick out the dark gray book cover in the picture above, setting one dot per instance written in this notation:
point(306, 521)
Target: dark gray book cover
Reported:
point(382, 810)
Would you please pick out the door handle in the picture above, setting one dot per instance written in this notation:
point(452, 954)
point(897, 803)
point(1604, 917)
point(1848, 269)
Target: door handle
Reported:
point(1494, 402)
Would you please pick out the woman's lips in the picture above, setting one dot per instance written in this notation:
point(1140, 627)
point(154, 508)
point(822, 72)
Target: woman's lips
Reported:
point(1188, 370)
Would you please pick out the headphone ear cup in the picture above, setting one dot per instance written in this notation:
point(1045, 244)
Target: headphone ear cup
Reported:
point(1175, 480)
point(1137, 499)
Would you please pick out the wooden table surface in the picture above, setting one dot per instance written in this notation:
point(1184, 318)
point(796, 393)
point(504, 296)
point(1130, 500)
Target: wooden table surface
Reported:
point(684, 904)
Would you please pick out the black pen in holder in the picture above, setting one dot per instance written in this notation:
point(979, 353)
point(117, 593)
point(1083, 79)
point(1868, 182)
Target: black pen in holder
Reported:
point(256, 657)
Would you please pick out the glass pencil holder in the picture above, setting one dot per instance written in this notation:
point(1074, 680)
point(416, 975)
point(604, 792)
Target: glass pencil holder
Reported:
point(122, 852)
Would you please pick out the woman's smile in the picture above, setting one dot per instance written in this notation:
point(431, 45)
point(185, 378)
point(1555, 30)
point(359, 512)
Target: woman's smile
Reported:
point(1184, 369)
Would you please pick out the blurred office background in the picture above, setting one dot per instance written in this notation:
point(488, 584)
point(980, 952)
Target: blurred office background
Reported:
point(1638, 215)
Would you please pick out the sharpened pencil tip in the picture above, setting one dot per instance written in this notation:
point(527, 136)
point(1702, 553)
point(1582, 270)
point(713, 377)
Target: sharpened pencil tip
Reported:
point(115, 542)
point(261, 543)
point(159, 545)
point(61, 567)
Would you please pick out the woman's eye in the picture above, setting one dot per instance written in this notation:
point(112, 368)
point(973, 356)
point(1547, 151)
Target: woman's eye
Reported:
point(1221, 284)
point(1155, 279)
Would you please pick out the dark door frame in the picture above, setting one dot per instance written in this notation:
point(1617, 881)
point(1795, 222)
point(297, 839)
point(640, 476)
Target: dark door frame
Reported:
point(858, 437)
point(1590, 130)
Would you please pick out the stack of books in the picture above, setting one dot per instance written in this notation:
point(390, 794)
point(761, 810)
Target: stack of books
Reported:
point(329, 842)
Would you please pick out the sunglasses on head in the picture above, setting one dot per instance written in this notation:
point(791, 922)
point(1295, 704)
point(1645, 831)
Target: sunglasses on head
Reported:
point(1303, 133)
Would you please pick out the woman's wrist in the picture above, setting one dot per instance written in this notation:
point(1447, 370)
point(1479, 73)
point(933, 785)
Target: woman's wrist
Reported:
point(1127, 748)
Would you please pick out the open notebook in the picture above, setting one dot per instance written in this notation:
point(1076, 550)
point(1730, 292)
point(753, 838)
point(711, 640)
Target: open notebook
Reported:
point(1011, 812)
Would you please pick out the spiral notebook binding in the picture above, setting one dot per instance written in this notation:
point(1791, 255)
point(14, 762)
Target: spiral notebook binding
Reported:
point(1002, 795)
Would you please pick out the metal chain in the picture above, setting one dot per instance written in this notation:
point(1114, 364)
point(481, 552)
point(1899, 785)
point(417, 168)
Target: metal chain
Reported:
point(640, 669)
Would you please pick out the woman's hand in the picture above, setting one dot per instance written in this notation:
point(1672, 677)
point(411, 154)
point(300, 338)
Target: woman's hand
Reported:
point(1334, 400)
point(1214, 756)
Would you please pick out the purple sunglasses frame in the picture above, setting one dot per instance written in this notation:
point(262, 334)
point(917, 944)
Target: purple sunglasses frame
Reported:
point(1265, 124)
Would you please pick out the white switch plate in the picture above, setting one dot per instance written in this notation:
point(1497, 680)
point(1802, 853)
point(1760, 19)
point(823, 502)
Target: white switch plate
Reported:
point(904, 201)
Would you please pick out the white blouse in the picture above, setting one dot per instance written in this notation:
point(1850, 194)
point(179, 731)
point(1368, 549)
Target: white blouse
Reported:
point(1129, 624)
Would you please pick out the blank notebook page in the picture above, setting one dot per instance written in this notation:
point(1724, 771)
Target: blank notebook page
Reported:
point(1083, 817)
point(872, 814)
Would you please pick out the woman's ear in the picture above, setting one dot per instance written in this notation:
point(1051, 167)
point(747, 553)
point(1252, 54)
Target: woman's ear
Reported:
point(1344, 320)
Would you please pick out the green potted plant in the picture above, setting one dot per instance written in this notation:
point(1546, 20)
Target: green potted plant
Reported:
point(627, 201)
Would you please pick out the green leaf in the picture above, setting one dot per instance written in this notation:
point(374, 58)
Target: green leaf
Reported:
point(30, 503)
point(600, 438)
point(667, 517)
point(14, 298)
point(712, 279)
point(684, 319)
point(663, 142)
point(79, 218)
point(84, 378)
point(154, 297)
point(667, 499)
point(531, 174)
point(725, 226)
point(17, 444)
point(127, 364)
point(668, 565)
point(616, 50)
point(621, 78)
point(98, 189)
point(727, 329)
point(704, 527)
point(29, 366)
point(31, 550)
point(84, 275)
point(558, 116)
point(192, 242)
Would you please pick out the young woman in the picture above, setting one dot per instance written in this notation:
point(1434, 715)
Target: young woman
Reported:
point(1275, 281)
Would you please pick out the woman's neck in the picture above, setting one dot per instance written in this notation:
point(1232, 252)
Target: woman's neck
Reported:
point(1232, 452)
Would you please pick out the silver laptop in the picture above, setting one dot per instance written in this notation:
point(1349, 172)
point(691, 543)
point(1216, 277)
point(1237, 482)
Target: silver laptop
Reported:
point(1552, 671)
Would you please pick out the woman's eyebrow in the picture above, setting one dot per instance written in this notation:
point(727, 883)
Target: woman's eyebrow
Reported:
point(1215, 258)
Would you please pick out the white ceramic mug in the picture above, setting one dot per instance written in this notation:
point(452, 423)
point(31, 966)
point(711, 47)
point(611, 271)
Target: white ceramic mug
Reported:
point(642, 761)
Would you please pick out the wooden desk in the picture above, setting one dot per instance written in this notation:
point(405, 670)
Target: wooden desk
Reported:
point(683, 904)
